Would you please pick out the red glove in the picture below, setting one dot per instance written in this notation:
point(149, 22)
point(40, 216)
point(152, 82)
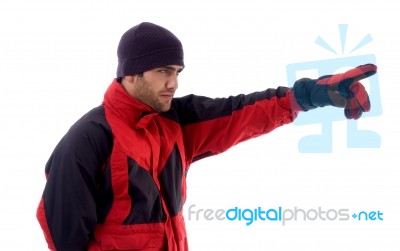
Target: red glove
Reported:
point(340, 90)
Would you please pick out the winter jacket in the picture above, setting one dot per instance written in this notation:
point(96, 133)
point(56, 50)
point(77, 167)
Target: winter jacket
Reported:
point(117, 179)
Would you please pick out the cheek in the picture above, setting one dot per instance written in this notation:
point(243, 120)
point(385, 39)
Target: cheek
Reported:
point(148, 94)
point(147, 90)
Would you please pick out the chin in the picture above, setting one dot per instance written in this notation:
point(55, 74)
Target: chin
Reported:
point(163, 109)
point(166, 109)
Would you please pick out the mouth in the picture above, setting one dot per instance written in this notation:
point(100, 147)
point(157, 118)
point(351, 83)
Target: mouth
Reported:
point(167, 96)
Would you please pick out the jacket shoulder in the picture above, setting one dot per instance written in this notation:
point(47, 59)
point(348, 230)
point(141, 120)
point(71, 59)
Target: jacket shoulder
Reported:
point(91, 134)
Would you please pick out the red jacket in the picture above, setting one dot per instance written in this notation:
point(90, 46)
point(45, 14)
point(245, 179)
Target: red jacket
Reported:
point(117, 179)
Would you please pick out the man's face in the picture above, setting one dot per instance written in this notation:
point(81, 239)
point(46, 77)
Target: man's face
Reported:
point(157, 87)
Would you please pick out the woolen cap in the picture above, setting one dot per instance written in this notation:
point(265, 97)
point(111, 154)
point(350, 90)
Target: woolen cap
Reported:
point(147, 46)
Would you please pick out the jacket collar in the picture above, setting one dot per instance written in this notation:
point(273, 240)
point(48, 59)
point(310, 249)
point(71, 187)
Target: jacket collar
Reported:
point(125, 107)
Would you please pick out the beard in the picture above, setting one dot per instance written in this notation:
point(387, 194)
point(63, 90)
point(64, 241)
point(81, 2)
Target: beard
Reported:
point(150, 97)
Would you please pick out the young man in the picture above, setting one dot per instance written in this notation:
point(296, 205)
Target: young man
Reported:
point(116, 180)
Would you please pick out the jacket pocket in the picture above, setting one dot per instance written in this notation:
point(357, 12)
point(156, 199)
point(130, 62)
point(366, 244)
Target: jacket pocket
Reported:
point(132, 237)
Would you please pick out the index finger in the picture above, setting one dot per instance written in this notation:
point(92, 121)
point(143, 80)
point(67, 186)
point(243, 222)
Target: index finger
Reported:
point(358, 73)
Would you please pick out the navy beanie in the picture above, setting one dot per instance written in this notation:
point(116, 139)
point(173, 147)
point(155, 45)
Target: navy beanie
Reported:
point(147, 46)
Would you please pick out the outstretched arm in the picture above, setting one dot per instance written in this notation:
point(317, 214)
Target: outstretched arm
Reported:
point(211, 126)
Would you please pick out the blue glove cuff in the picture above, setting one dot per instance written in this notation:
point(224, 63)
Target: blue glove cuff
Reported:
point(310, 95)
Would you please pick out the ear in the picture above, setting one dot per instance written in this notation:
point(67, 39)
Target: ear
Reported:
point(130, 79)
point(128, 83)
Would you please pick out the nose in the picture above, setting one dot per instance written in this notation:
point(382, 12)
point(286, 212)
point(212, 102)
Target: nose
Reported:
point(172, 83)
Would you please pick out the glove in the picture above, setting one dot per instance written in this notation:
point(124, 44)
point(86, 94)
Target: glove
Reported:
point(339, 90)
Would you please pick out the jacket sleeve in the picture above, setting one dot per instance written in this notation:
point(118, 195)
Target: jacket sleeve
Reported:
point(211, 126)
point(67, 210)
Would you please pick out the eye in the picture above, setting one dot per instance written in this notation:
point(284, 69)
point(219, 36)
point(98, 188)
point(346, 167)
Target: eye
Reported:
point(169, 71)
point(163, 70)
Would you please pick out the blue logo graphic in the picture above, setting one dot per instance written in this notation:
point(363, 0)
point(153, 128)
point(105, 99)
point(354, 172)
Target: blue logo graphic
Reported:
point(326, 116)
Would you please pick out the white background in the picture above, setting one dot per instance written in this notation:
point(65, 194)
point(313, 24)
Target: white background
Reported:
point(58, 57)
